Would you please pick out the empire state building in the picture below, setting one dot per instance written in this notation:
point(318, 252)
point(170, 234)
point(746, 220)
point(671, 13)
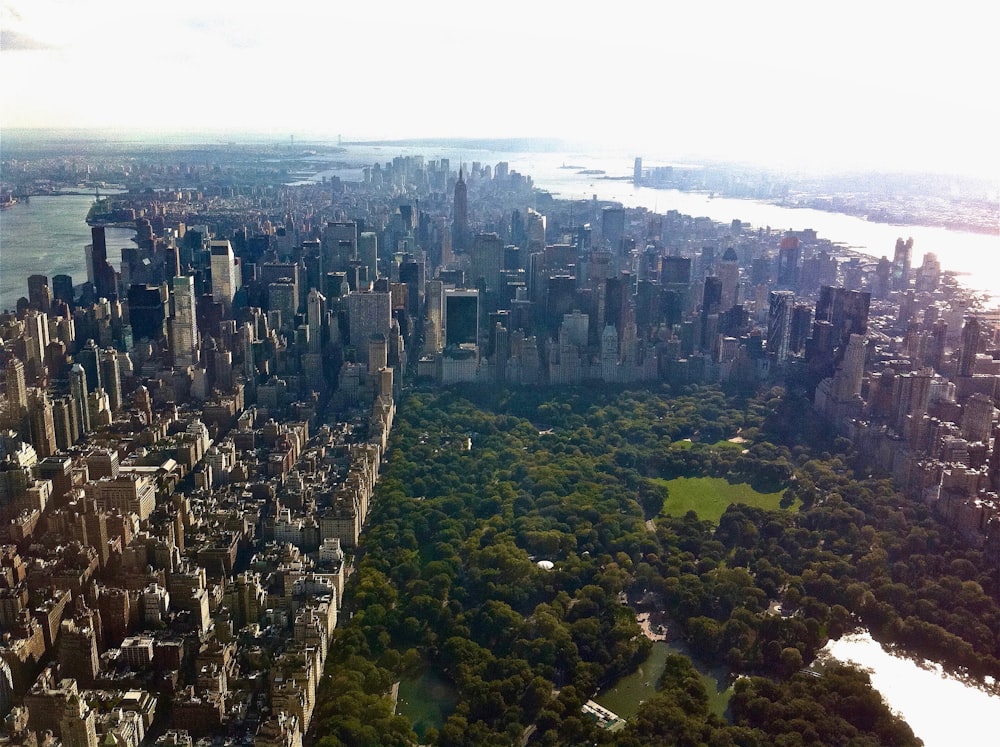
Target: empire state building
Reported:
point(460, 216)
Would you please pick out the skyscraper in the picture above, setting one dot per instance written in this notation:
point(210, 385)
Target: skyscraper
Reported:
point(111, 378)
point(99, 270)
point(850, 373)
point(779, 323)
point(789, 255)
point(487, 261)
point(368, 314)
point(147, 308)
point(89, 357)
point(225, 280)
point(901, 264)
point(460, 216)
point(78, 394)
point(970, 347)
point(39, 294)
point(368, 252)
point(729, 273)
point(184, 324)
point(339, 245)
point(62, 289)
point(461, 317)
point(43, 428)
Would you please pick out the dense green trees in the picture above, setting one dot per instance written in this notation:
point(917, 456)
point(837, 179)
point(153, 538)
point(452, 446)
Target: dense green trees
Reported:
point(448, 576)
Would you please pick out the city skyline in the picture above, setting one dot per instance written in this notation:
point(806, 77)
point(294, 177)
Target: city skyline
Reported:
point(887, 88)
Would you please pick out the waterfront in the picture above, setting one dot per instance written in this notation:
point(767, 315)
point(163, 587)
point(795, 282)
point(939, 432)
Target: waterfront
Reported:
point(47, 235)
point(941, 709)
point(975, 256)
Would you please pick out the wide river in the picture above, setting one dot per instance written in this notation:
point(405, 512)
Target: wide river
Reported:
point(47, 236)
point(975, 255)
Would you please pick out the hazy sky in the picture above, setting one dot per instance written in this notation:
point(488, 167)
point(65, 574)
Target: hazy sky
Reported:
point(878, 84)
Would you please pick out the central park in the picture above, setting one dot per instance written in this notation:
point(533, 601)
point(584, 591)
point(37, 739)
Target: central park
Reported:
point(517, 533)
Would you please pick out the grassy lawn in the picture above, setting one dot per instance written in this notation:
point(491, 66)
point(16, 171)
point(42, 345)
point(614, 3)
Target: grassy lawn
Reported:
point(710, 496)
point(723, 444)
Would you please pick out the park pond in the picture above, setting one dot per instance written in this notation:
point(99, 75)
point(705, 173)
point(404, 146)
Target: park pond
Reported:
point(626, 695)
point(941, 709)
point(426, 700)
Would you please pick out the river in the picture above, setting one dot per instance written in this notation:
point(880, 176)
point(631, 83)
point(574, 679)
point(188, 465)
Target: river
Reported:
point(975, 255)
point(942, 710)
point(47, 236)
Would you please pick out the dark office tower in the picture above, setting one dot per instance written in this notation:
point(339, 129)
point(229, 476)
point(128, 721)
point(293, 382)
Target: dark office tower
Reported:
point(560, 299)
point(846, 310)
point(111, 378)
point(486, 261)
point(62, 289)
point(62, 421)
point(340, 245)
point(760, 271)
point(711, 297)
point(706, 261)
point(901, 264)
point(675, 270)
point(637, 171)
point(882, 281)
point(853, 274)
point(518, 233)
point(460, 216)
point(412, 273)
point(336, 286)
point(801, 325)
point(147, 310)
point(43, 427)
point(789, 256)
point(78, 394)
point(461, 317)
point(39, 294)
point(616, 298)
point(907, 308)
point(970, 347)
point(89, 357)
point(779, 323)
point(613, 228)
point(368, 251)
point(935, 353)
point(647, 304)
point(105, 283)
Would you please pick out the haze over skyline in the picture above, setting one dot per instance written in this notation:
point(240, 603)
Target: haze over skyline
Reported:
point(884, 87)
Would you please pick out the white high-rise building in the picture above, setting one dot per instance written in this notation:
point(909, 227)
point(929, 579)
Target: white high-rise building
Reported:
point(225, 279)
point(184, 323)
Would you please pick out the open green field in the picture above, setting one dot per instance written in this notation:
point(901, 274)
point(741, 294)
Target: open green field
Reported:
point(710, 496)
point(723, 444)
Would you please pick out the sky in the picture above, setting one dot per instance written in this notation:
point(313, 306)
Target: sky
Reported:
point(875, 85)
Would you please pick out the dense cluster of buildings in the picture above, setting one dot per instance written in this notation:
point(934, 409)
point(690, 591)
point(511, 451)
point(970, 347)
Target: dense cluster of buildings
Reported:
point(191, 439)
